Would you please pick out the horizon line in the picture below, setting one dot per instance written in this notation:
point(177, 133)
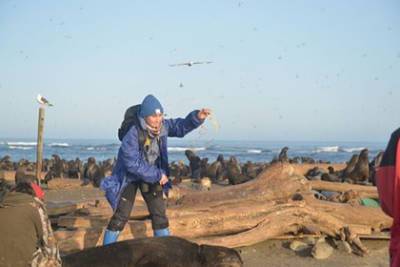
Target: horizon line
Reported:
point(33, 139)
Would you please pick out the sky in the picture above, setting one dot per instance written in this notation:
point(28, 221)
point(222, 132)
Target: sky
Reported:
point(282, 70)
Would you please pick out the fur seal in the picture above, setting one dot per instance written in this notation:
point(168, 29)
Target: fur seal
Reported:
point(216, 171)
point(107, 167)
point(308, 160)
point(375, 163)
point(58, 166)
point(183, 168)
point(330, 177)
point(92, 173)
point(295, 160)
point(234, 172)
point(283, 157)
point(250, 170)
point(195, 164)
point(360, 172)
point(204, 166)
point(213, 170)
point(155, 252)
point(350, 166)
point(314, 174)
point(74, 168)
point(174, 170)
point(6, 164)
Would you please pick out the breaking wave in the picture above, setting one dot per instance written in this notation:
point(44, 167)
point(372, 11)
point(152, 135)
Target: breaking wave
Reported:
point(327, 149)
point(336, 149)
point(354, 149)
point(182, 149)
point(254, 151)
point(20, 144)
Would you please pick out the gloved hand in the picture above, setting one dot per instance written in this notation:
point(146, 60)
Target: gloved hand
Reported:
point(166, 187)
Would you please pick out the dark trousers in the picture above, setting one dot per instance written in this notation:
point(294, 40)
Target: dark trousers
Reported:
point(153, 197)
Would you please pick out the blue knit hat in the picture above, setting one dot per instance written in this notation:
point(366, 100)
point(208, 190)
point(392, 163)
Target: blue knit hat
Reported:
point(150, 106)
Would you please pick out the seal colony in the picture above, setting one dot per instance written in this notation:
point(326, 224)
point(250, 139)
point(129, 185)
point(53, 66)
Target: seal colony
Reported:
point(207, 215)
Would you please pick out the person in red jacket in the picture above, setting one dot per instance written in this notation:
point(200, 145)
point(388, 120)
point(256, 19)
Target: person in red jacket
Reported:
point(388, 183)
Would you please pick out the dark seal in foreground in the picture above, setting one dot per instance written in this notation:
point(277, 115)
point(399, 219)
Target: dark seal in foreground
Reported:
point(156, 252)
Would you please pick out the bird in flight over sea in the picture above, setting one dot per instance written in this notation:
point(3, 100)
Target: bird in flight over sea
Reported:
point(190, 63)
point(43, 101)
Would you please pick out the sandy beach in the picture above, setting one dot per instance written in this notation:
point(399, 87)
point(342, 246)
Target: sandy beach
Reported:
point(267, 253)
point(275, 253)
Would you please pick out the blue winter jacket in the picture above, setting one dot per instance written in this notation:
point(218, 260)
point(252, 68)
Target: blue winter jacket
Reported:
point(131, 165)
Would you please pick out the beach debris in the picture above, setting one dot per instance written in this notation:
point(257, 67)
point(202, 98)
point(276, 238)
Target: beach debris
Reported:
point(352, 242)
point(204, 184)
point(296, 245)
point(190, 63)
point(321, 250)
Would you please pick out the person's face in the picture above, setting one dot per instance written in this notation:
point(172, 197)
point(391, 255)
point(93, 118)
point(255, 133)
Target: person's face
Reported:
point(154, 120)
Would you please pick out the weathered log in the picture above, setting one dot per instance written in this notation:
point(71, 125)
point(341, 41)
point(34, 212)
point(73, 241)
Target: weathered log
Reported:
point(95, 204)
point(266, 186)
point(97, 218)
point(235, 228)
point(276, 203)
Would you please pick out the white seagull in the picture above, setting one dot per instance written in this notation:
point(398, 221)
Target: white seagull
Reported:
point(190, 63)
point(43, 101)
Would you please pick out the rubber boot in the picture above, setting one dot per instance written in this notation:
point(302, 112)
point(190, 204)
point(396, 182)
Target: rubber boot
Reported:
point(110, 237)
point(161, 232)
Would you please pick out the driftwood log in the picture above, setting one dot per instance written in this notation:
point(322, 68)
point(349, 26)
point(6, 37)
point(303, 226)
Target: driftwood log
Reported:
point(277, 202)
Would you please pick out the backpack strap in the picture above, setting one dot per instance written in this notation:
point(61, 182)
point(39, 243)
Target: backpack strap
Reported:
point(141, 137)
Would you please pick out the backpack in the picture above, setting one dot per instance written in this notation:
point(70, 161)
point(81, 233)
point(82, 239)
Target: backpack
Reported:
point(130, 119)
point(388, 177)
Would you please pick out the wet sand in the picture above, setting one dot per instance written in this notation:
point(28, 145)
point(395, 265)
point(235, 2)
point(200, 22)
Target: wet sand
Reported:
point(275, 253)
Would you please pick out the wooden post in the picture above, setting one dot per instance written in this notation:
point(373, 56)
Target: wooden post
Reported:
point(39, 147)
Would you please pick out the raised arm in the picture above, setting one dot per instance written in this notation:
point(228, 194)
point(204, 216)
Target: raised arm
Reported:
point(180, 127)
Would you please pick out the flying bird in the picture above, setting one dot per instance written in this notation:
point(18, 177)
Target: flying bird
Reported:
point(190, 63)
point(43, 101)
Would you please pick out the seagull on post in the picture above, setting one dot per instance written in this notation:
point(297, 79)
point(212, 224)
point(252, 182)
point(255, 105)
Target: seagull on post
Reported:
point(43, 101)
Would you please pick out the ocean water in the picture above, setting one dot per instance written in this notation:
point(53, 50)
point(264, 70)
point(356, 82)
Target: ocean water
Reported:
point(256, 151)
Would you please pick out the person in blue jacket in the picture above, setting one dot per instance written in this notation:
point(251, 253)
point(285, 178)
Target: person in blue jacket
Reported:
point(142, 163)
